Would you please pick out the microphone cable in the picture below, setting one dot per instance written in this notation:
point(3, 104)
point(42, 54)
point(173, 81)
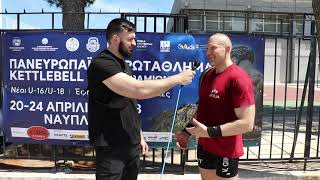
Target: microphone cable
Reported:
point(195, 65)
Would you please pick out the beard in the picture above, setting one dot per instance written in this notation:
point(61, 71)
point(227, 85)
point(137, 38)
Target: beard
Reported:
point(124, 51)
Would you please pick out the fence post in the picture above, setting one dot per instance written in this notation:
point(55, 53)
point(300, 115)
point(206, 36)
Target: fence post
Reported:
point(310, 108)
point(52, 20)
point(18, 21)
point(88, 20)
point(186, 24)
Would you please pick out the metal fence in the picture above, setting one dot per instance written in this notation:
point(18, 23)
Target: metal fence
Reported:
point(291, 115)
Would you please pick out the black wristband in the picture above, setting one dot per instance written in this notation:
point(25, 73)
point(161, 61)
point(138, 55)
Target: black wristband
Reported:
point(214, 131)
point(184, 130)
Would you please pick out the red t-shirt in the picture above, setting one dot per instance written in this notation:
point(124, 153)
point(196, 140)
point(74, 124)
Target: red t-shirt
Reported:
point(220, 94)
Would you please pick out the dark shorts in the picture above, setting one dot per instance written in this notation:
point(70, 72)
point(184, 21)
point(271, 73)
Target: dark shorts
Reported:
point(117, 163)
point(225, 167)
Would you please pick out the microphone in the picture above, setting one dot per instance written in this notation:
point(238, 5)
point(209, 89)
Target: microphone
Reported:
point(195, 65)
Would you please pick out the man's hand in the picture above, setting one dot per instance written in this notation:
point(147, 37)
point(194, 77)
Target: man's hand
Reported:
point(185, 77)
point(199, 129)
point(182, 139)
point(144, 147)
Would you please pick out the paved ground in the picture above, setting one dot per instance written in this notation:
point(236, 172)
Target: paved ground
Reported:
point(248, 170)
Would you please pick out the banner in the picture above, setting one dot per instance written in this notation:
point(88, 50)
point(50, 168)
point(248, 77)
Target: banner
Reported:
point(160, 55)
point(44, 78)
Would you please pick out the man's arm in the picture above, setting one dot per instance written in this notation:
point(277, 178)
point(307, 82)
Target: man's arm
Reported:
point(243, 124)
point(127, 86)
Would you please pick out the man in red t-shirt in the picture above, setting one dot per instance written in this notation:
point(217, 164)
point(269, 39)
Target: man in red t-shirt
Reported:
point(226, 110)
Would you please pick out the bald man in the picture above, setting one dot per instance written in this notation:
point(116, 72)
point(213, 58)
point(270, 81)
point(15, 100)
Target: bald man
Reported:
point(226, 110)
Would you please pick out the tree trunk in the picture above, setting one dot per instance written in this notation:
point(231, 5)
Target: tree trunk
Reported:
point(73, 14)
point(316, 12)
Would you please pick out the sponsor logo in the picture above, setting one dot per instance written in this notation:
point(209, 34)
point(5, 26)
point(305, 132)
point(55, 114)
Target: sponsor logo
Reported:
point(188, 47)
point(164, 138)
point(142, 44)
point(77, 136)
point(38, 132)
point(164, 46)
point(93, 44)
point(16, 44)
point(155, 137)
point(44, 47)
point(72, 44)
point(16, 41)
point(202, 46)
point(44, 41)
point(18, 132)
point(60, 135)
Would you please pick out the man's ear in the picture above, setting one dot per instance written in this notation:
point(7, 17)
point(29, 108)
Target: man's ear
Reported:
point(115, 38)
point(228, 49)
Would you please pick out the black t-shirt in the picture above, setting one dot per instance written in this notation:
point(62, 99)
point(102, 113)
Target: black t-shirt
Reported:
point(110, 115)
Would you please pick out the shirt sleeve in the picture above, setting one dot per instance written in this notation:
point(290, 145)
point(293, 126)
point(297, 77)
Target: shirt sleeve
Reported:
point(105, 68)
point(242, 92)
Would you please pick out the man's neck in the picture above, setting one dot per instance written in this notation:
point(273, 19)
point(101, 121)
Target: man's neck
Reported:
point(224, 66)
point(115, 52)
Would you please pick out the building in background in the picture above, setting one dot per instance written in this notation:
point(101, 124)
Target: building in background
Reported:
point(286, 19)
point(261, 16)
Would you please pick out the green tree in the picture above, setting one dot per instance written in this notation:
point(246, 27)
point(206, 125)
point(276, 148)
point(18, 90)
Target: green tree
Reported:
point(73, 12)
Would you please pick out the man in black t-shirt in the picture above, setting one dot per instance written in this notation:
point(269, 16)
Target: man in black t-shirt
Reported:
point(114, 124)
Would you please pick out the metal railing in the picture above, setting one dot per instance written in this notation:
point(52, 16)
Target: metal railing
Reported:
point(285, 116)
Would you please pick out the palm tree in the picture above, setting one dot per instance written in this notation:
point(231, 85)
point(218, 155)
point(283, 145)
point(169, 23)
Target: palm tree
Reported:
point(73, 12)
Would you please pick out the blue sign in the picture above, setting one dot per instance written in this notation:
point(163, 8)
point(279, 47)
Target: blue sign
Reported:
point(160, 55)
point(44, 78)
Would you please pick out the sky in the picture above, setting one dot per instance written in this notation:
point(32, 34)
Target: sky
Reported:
point(96, 21)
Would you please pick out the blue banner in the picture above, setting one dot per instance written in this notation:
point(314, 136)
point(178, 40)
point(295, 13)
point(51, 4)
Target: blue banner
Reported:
point(44, 77)
point(160, 55)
